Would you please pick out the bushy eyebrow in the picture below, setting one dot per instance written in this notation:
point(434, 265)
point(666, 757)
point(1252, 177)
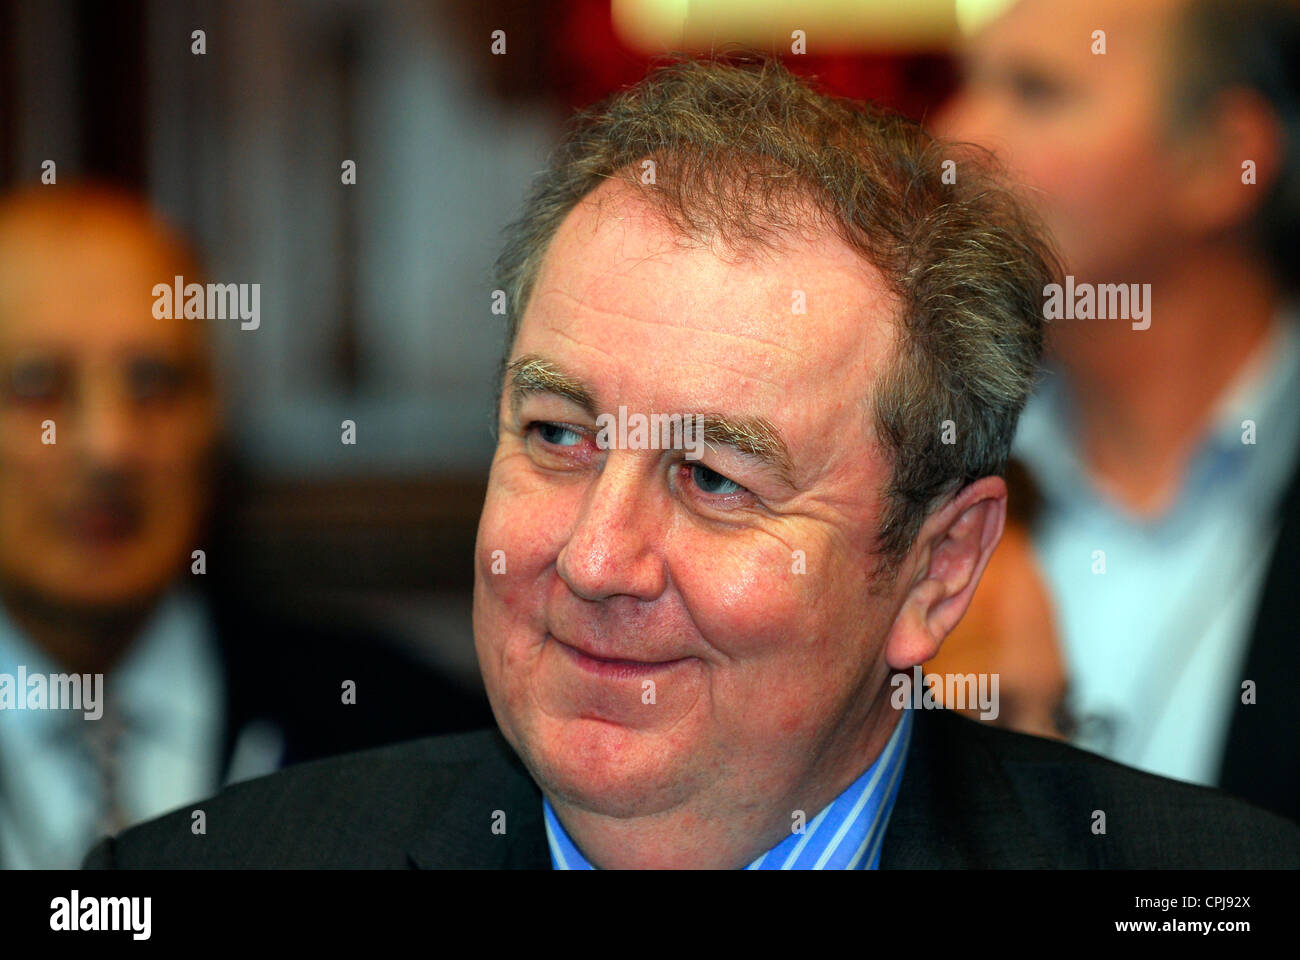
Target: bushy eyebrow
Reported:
point(754, 437)
point(531, 374)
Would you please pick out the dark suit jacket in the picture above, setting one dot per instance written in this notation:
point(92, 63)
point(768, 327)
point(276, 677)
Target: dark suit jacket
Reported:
point(1261, 759)
point(971, 796)
point(288, 673)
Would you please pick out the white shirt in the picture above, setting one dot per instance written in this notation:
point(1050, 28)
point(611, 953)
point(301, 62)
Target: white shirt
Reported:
point(169, 691)
point(1155, 643)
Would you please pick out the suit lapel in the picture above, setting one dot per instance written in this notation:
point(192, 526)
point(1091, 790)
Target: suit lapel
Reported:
point(1260, 762)
point(955, 807)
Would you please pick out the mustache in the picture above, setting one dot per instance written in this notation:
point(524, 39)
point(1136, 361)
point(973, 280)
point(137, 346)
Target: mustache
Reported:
point(108, 487)
point(104, 492)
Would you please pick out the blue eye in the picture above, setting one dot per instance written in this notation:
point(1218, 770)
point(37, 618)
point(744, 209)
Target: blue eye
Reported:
point(705, 479)
point(555, 434)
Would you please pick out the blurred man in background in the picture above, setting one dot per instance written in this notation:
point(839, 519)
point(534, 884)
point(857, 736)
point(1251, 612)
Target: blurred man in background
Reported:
point(109, 433)
point(1158, 140)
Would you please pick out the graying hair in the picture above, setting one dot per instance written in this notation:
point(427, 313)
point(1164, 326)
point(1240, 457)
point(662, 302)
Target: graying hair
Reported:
point(748, 152)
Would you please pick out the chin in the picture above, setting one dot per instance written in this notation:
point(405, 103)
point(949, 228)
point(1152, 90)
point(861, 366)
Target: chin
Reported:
point(113, 600)
point(124, 591)
point(605, 768)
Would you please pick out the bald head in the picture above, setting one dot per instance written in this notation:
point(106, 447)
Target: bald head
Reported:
point(81, 239)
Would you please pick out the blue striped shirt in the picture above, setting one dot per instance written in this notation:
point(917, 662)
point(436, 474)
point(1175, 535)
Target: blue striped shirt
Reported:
point(846, 835)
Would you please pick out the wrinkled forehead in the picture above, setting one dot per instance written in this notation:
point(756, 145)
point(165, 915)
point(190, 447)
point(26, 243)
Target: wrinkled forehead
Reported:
point(801, 290)
point(796, 331)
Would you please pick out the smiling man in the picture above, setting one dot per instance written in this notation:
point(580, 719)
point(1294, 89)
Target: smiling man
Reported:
point(689, 660)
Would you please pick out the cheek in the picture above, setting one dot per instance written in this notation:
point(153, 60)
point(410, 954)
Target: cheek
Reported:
point(775, 617)
point(1098, 194)
point(174, 494)
point(756, 596)
point(172, 528)
point(520, 534)
point(29, 487)
point(24, 540)
point(177, 491)
point(1066, 179)
point(742, 594)
point(520, 530)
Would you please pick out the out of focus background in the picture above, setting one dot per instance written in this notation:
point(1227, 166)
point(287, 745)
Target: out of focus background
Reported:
point(359, 159)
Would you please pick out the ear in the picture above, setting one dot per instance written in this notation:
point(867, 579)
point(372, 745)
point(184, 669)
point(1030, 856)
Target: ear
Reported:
point(946, 563)
point(1240, 125)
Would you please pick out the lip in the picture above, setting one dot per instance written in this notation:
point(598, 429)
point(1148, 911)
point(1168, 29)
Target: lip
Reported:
point(615, 668)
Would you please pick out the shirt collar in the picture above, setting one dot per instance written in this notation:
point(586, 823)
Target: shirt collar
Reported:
point(162, 683)
point(168, 677)
point(846, 835)
point(1262, 392)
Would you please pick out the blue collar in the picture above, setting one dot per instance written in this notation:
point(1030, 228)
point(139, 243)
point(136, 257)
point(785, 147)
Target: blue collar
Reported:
point(1263, 394)
point(846, 835)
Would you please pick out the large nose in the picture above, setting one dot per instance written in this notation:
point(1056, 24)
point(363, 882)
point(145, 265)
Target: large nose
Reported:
point(616, 544)
point(972, 116)
point(106, 423)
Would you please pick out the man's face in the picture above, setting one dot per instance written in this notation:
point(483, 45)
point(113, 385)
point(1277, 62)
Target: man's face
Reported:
point(647, 633)
point(1084, 132)
point(105, 515)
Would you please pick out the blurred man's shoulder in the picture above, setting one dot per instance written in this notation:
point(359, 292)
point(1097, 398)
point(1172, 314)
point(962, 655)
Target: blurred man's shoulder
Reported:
point(359, 809)
point(334, 684)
